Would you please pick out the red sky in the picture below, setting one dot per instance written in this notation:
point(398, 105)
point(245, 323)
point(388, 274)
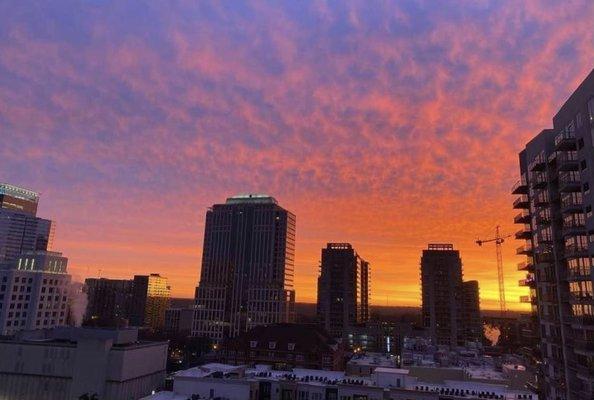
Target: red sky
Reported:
point(389, 125)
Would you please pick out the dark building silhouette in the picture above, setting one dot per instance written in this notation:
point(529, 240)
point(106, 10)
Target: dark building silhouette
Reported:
point(141, 301)
point(285, 346)
point(109, 301)
point(471, 312)
point(555, 202)
point(450, 309)
point(20, 229)
point(248, 259)
point(343, 289)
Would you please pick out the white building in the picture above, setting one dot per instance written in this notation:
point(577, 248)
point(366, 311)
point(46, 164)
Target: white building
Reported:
point(262, 383)
point(66, 363)
point(34, 292)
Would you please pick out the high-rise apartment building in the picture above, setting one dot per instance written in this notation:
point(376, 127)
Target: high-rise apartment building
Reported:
point(34, 292)
point(555, 200)
point(20, 229)
point(109, 301)
point(343, 289)
point(450, 310)
point(441, 282)
point(248, 257)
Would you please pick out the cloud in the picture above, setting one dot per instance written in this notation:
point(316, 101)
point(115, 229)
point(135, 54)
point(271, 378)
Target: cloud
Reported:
point(387, 125)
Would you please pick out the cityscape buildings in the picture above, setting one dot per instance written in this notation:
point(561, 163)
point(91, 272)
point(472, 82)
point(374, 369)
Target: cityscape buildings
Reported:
point(555, 201)
point(343, 289)
point(68, 363)
point(265, 383)
point(141, 301)
point(446, 298)
point(20, 228)
point(34, 292)
point(247, 271)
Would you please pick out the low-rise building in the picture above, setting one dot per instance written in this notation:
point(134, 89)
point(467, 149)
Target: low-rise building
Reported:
point(363, 364)
point(285, 346)
point(264, 383)
point(66, 363)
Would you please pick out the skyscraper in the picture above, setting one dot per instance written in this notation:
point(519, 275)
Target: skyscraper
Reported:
point(555, 202)
point(150, 299)
point(343, 289)
point(20, 229)
point(441, 282)
point(248, 257)
point(34, 292)
point(109, 301)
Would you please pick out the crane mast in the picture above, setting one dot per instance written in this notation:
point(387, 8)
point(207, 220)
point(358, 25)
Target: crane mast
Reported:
point(498, 240)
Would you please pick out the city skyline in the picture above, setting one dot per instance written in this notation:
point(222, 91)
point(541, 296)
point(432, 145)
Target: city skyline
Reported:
point(388, 128)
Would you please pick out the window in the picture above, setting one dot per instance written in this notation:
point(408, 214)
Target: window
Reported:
point(583, 165)
point(253, 344)
point(291, 346)
point(272, 345)
point(586, 188)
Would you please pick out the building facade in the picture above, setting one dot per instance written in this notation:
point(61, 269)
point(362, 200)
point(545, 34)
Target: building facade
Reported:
point(450, 307)
point(211, 381)
point(285, 346)
point(67, 363)
point(343, 289)
point(34, 292)
point(109, 301)
point(555, 200)
point(20, 228)
point(247, 271)
point(179, 320)
point(472, 324)
point(141, 301)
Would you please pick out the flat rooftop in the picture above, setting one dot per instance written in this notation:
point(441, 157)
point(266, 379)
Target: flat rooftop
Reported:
point(251, 198)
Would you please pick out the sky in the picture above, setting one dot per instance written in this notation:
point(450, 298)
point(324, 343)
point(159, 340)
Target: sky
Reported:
point(386, 124)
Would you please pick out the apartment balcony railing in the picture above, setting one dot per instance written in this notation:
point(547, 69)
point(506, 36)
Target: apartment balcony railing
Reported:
point(575, 251)
point(569, 181)
point(524, 233)
point(539, 163)
point(585, 320)
point(539, 180)
point(529, 281)
point(571, 202)
point(579, 274)
point(565, 141)
point(520, 187)
point(526, 250)
point(573, 228)
point(522, 218)
point(567, 161)
point(528, 300)
point(525, 266)
point(522, 202)
point(543, 219)
point(544, 257)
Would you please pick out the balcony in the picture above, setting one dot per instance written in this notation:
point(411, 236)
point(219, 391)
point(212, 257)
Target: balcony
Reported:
point(582, 320)
point(521, 202)
point(520, 187)
point(525, 250)
point(575, 251)
point(543, 219)
point(573, 228)
point(524, 233)
point(528, 300)
point(525, 266)
point(567, 161)
point(539, 163)
point(584, 347)
point(571, 202)
point(539, 180)
point(529, 281)
point(522, 218)
point(570, 181)
point(545, 257)
point(565, 141)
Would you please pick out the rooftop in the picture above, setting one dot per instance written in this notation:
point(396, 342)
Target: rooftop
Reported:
point(18, 192)
point(440, 246)
point(254, 198)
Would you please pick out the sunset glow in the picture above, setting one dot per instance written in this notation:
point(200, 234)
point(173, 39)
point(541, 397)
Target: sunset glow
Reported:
point(387, 127)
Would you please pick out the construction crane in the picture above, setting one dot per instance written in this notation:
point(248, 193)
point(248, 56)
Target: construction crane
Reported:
point(498, 239)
